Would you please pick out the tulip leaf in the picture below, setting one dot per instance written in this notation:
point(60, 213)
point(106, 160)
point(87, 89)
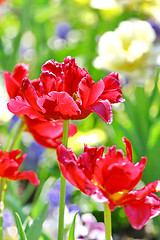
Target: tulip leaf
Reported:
point(45, 237)
point(40, 201)
point(13, 204)
point(71, 232)
point(20, 227)
point(155, 87)
point(11, 136)
point(34, 232)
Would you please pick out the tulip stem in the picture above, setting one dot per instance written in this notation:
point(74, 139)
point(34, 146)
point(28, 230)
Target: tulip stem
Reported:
point(107, 222)
point(16, 135)
point(63, 185)
point(3, 181)
point(3, 188)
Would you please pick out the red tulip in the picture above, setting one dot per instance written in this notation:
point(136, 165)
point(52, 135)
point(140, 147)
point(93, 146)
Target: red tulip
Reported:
point(13, 80)
point(111, 178)
point(66, 91)
point(1, 1)
point(9, 165)
point(47, 133)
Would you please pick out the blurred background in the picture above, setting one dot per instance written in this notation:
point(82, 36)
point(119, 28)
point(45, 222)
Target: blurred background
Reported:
point(103, 36)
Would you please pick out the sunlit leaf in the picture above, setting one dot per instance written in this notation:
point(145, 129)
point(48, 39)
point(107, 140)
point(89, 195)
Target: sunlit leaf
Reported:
point(71, 232)
point(20, 228)
point(34, 232)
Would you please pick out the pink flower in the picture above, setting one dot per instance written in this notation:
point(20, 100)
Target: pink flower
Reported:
point(66, 91)
point(111, 178)
point(47, 133)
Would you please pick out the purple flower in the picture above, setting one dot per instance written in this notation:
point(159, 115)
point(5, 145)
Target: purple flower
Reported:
point(62, 29)
point(73, 208)
point(8, 219)
point(53, 195)
point(96, 230)
point(13, 121)
point(156, 27)
point(34, 155)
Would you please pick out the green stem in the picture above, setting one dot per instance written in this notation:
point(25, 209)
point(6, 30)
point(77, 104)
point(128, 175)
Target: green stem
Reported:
point(3, 188)
point(63, 185)
point(3, 181)
point(107, 222)
point(16, 136)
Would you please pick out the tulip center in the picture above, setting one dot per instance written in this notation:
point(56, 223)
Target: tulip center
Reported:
point(97, 184)
point(118, 195)
point(75, 97)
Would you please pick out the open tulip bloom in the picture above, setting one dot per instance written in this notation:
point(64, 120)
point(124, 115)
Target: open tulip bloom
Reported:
point(66, 91)
point(9, 166)
point(110, 179)
point(47, 133)
point(9, 170)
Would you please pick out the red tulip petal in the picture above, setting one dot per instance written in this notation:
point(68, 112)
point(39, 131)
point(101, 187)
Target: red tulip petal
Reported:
point(54, 67)
point(112, 90)
point(128, 148)
point(21, 71)
point(26, 175)
point(116, 173)
point(48, 79)
point(21, 107)
point(104, 110)
point(90, 91)
point(13, 80)
point(89, 157)
point(30, 95)
point(48, 133)
point(98, 196)
point(69, 164)
point(10, 165)
point(140, 211)
point(148, 189)
point(59, 105)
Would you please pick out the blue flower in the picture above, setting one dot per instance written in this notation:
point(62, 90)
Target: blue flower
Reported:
point(8, 219)
point(156, 27)
point(13, 121)
point(62, 29)
point(53, 195)
point(34, 156)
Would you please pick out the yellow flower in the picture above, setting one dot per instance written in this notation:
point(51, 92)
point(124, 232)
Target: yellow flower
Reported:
point(93, 138)
point(148, 7)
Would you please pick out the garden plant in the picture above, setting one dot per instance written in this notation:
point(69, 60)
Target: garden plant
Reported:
point(79, 119)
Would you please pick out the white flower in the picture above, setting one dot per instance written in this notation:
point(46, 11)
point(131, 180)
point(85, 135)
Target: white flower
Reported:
point(103, 4)
point(5, 114)
point(129, 49)
point(144, 5)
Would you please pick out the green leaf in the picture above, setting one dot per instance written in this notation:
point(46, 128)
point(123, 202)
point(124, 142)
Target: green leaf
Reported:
point(34, 232)
point(154, 135)
point(38, 205)
point(11, 136)
point(155, 87)
point(45, 13)
point(13, 204)
point(45, 237)
point(20, 227)
point(71, 232)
